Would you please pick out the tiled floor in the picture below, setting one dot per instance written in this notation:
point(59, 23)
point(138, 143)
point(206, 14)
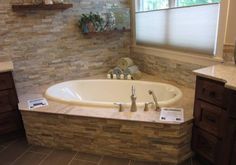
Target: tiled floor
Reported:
point(18, 152)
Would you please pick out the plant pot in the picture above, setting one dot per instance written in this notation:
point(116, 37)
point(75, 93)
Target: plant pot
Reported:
point(85, 28)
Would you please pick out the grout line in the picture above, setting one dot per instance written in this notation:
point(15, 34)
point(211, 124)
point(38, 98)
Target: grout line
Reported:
point(6, 146)
point(46, 157)
point(21, 155)
point(100, 161)
point(72, 158)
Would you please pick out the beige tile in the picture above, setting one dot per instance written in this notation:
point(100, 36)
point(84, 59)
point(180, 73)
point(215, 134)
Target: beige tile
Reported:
point(29, 158)
point(13, 151)
point(39, 149)
point(114, 161)
point(81, 162)
point(59, 157)
point(88, 157)
point(144, 163)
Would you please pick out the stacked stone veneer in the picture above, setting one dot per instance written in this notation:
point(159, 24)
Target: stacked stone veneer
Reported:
point(48, 47)
point(172, 70)
point(229, 53)
point(165, 143)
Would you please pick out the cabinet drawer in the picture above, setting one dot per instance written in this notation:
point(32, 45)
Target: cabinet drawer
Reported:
point(8, 100)
point(211, 91)
point(209, 118)
point(6, 81)
point(206, 145)
point(10, 122)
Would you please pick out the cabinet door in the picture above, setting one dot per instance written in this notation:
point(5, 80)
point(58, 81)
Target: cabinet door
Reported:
point(206, 145)
point(10, 122)
point(209, 118)
point(6, 81)
point(233, 144)
point(232, 104)
point(8, 101)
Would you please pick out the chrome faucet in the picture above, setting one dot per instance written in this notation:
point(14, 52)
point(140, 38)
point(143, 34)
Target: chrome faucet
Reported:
point(133, 107)
point(157, 106)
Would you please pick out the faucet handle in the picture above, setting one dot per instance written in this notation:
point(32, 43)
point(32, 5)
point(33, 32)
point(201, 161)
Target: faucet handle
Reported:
point(146, 105)
point(120, 105)
point(133, 90)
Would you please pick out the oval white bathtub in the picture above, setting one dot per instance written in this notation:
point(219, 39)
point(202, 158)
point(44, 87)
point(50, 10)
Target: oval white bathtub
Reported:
point(108, 92)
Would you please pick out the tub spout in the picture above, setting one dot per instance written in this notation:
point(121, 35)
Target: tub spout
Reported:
point(133, 107)
point(157, 106)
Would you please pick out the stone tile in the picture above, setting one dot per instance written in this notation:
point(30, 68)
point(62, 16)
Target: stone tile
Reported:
point(81, 162)
point(88, 157)
point(13, 151)
point(29, 158)
point(59, 157)
point(114, 161)
point(144, 163)
point(39, 149)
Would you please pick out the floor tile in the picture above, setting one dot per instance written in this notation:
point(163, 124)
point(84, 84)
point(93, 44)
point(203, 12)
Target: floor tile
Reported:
point(13, 151)
point(144, 163)
point(2, 148)
point(114, 161)
point(29, 158)
point(82, 162)
point(39, 149)
point(88, 157)
point(59, 157)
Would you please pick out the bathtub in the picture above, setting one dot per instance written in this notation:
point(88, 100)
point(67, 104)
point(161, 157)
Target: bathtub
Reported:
point(107, 92)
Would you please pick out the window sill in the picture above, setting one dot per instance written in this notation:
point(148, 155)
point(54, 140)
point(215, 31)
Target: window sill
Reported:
point(192, 58)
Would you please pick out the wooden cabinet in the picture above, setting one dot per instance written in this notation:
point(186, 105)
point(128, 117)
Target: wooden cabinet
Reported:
point(214, 130)
point(10, 118)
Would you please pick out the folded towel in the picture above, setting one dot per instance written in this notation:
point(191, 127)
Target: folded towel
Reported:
point(110, 71)
point(118, 71)
point(125, 62)
point(134, 72)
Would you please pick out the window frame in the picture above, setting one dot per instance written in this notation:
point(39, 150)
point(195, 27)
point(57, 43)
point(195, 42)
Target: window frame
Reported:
point(194, 58)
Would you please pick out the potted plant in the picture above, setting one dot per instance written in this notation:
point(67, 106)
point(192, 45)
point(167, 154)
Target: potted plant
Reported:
point(91, 23)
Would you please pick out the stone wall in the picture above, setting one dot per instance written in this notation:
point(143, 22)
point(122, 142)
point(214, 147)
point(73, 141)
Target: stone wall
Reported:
point(229, 53)
point(47, 46)
point(174, 70)
point(171, 70)
point(164, 143)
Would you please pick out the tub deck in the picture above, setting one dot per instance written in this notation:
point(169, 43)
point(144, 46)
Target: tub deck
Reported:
point(139, 135)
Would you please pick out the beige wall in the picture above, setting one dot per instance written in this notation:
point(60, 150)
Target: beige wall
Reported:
point(231, 27)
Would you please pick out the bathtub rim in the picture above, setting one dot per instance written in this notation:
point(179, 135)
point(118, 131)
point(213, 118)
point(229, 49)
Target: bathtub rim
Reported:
point(109, 104)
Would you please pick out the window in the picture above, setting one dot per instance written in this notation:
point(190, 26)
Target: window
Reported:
point(186, 25)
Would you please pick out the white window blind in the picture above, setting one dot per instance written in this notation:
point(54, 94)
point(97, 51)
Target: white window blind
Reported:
point(187, 28)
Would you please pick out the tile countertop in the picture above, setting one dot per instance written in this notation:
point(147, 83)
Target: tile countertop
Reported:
point(109, 113)
point(5, 64)
point(224, 72)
